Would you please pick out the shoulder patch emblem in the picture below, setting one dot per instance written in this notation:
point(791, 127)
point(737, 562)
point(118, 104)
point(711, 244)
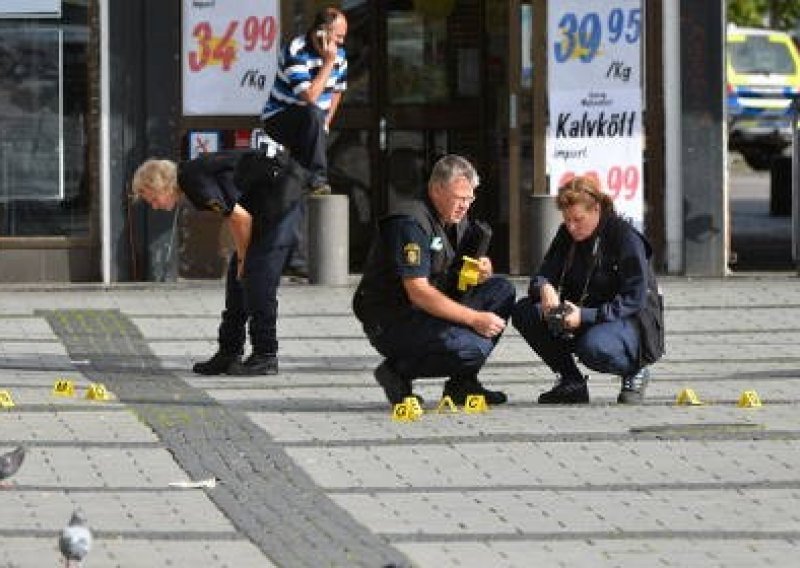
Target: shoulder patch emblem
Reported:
point(411, 254)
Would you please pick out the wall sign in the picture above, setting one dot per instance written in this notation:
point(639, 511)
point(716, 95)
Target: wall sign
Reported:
point(203, 142)
point(229, 55)
point(595, 94)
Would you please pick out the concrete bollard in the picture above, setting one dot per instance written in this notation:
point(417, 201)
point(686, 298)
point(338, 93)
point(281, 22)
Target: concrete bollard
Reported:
point(544, 222)
point(328, 240)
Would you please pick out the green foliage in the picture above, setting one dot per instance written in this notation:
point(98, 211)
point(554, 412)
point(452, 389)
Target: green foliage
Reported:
point(780, 14)
point(746, 12)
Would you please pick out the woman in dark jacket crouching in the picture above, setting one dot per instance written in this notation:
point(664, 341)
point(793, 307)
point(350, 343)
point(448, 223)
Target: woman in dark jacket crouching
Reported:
point(588, 296)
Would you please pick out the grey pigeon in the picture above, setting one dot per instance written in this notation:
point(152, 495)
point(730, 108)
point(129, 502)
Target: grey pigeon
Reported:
point(10, 463)
point(76, 540)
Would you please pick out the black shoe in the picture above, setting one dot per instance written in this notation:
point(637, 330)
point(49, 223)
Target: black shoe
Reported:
point(256, 364)
point(298, 273)
point(394, 386)
point(566, 392)
point(633, 387)
point(459, 388)
point(219, 364)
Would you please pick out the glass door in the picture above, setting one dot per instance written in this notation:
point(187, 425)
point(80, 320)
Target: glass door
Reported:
point(415, 90)
point(430, 103)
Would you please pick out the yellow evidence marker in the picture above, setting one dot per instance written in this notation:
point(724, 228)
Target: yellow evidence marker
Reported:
point(468, 276)
point(5, 399)
point(446, 404)
point(475, 404)
point(687, 397)
point(407, 411)
point(64, 387)
point(97, 391)
point(749, 399)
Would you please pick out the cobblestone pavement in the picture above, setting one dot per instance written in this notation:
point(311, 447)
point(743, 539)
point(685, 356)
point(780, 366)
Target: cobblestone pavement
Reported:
point(312, 471)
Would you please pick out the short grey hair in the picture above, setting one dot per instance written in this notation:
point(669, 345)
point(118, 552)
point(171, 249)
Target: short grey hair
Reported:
point(452, 166)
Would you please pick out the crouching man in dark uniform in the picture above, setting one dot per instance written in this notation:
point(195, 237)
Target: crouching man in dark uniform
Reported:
point(408, 299)
point(259, 194)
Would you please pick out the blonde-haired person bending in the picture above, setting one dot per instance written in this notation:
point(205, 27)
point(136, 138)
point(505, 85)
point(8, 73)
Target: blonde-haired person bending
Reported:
point(259, 197)
point(588, 296)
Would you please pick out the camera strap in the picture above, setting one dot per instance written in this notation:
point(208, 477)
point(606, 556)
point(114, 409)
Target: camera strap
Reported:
point(589, 273)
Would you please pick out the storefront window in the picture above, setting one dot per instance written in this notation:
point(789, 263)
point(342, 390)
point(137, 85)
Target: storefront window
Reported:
point(359, 52)
point(417, 66)
point(44, 190)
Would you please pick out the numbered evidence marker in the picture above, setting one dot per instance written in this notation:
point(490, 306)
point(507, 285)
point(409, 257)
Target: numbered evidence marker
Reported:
point(407, 411)
point(5, 399)
point(97, 391)
point(446, 404)
point(749, 399)
point(64, 387)
point(687, 397)
point(468, 276)
point(475, 404)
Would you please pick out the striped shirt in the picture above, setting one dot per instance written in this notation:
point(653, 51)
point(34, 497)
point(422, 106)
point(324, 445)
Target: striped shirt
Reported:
point(298, 64)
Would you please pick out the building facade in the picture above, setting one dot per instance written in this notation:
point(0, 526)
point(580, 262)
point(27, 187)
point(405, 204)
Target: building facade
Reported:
point(93, 87)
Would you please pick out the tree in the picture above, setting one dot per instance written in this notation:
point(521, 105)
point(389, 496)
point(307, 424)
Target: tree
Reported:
point(780, 14)
point(746, 12)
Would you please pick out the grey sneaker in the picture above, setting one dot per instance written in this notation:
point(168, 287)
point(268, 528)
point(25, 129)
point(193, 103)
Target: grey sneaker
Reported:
point(633, 387)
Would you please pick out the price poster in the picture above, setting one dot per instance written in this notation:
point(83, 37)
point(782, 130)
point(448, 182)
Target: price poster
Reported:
point(594, 73)
point(229, 55)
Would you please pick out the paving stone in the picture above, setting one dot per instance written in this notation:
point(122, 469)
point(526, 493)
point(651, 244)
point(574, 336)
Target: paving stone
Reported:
point(312, 467)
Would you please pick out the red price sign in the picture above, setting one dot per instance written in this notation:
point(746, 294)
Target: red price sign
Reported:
point(253, 33)
point(622, 182)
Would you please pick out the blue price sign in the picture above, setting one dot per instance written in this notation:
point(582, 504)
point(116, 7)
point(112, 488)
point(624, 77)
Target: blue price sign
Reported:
point(595, 97)
point(583, 35)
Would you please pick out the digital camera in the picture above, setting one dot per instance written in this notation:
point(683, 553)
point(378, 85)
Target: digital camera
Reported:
point(555, 322)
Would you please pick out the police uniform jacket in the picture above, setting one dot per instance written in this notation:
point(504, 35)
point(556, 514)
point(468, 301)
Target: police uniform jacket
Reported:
point(410, 242)
point(263, 185)
point(606, 275)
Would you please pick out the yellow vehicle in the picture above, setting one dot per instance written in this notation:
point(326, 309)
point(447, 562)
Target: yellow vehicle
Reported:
point(763, 76)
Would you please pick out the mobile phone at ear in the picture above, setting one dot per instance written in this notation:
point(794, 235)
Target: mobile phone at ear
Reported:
point(322, 34)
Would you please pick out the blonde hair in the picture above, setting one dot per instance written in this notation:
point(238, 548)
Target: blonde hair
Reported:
point(161, 176)
point(584, 190)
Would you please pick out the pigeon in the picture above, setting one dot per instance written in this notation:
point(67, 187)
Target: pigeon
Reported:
point(75, 541)
point(10, 463)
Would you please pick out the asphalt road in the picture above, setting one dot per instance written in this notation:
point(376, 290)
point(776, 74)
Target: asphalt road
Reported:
point(759, 241)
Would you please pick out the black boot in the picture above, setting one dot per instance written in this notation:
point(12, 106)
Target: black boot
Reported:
point(219, 364)
point(395, 387)
point(256, 364)
point(566, 391)
point(459, 388)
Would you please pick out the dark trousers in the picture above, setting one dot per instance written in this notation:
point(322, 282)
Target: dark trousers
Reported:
point(609, 347)
point(302, 130)
point(422, 345)
point(254, 297)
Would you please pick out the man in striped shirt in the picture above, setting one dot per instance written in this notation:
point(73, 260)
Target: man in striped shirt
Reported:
point(311, 77)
